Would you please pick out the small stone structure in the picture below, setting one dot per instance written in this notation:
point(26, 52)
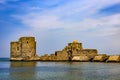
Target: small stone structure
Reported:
point(24, 49)
point(100, 58)
point(81, 58)
point(113, 58)
point(72, 52)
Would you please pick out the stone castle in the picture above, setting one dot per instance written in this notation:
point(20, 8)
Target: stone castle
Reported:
point(25, 49)
point(73, 51)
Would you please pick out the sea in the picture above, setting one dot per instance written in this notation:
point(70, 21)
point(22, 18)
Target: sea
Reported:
point(36, 70)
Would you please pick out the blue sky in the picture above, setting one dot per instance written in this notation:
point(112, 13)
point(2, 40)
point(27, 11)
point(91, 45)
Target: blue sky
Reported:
point(54, 23)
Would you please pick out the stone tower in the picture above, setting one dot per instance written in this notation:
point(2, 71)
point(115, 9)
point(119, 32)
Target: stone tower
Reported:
point(28, 47)
point(15, 49)
point(24, 49)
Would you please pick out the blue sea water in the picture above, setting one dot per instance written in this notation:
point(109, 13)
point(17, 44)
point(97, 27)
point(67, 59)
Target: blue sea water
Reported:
point(58, 70)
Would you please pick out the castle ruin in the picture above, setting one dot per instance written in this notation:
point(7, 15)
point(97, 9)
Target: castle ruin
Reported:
point(24, 49)
point(72, 52)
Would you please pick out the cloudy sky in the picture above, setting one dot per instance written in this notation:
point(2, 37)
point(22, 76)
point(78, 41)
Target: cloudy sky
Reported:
point(54, 23)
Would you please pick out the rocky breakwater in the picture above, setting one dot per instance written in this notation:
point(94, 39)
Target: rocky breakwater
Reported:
point(24, 49)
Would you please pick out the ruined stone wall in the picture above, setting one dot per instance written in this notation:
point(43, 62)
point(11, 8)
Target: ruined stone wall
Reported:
point(81, 58)
point(113, 58)
point(73, 46)
point(88, 52)
point(76, 48)
point(53, 57)
point(44, 57)
point(71, 50)
point(100, 57)
point(61, 55)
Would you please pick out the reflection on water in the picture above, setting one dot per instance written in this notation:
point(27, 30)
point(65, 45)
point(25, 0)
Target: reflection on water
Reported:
point(22, 64)
point(60, 71)
point(22, 70)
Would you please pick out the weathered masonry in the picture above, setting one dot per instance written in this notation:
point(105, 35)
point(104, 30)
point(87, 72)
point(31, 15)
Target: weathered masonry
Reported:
point(72, 52)
point(24, 49)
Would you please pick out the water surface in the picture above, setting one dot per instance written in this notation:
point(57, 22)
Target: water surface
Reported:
point(58, 71)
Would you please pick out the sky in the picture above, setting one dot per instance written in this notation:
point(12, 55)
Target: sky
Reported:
point(55, 23)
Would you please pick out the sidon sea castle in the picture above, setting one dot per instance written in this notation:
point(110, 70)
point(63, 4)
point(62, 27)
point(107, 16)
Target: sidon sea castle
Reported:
point(25, 50)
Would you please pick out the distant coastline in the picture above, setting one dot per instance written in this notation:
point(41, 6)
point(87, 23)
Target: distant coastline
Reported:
point(4, 59)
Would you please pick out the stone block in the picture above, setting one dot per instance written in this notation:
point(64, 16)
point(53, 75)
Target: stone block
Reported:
point(80, 58)
point(100, 58)
point(113, 58)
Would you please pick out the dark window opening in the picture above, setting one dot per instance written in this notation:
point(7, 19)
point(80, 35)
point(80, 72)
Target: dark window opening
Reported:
point(18, 48)
point(27, 41)
point(55, 53)
point(70, 55)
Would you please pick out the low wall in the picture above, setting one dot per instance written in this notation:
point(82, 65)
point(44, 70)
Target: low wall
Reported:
point(100, 58)
point(80, 58)
point(113, 59)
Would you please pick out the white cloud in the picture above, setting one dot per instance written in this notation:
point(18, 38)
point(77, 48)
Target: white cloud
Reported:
point(77, 20)
point(106, 25)
point(56, 17)
point(36, 21)
point(83, 8)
